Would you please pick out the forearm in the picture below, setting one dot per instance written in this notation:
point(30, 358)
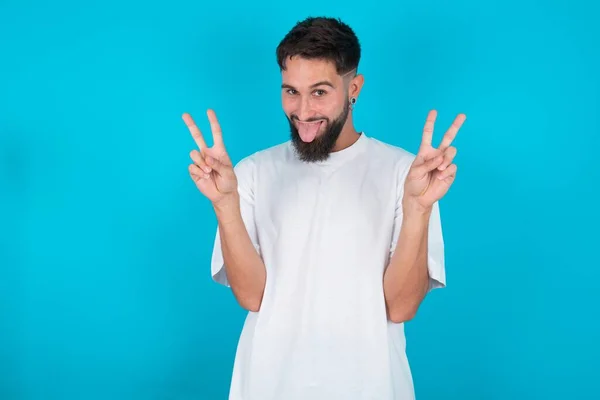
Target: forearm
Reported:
point(406, 279)
point(244, 267)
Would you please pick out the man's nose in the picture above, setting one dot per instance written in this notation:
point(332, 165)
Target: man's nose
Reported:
point(305, 111)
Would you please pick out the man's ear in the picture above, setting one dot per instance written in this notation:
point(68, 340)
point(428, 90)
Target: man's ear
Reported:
point(356, 85)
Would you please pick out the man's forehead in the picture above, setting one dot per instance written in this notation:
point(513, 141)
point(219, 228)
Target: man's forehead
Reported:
point(305, 72)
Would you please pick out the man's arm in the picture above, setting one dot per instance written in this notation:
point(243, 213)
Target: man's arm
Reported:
point(244, 268)
point(234, 252)
point(432, 172)
point(406, 279)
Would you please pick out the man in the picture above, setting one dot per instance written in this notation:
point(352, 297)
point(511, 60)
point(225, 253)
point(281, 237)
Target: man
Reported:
point(330, 240)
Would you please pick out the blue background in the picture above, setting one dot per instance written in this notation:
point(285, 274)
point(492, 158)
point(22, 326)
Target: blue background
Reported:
point(105, 289)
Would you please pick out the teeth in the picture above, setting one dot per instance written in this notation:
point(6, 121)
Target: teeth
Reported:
point(309, 123)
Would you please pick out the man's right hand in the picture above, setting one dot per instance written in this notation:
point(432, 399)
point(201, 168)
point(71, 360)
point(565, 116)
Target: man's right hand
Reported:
point(212, 170)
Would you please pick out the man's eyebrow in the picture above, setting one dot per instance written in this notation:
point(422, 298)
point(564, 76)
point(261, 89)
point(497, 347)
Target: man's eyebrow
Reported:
point(314, 85)
point(321, 83)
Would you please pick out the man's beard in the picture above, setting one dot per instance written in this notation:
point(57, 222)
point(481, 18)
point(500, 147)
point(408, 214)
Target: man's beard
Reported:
point(320, 148)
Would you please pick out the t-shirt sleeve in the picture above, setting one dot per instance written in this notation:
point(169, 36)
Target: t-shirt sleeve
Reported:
point(435, 258)
point(435, 243)
point(245, 172)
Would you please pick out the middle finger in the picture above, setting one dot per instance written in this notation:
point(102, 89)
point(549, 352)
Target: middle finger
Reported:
point(452, 131)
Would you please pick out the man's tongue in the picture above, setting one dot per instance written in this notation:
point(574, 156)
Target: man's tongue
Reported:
point(308, 130)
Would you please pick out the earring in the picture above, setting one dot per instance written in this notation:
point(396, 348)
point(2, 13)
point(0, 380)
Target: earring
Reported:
point(352, 102)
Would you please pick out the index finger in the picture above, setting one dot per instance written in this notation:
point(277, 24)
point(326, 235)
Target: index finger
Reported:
point(428, 129)
point(196, 134)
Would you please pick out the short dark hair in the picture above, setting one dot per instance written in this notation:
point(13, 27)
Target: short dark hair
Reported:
point(321, 38)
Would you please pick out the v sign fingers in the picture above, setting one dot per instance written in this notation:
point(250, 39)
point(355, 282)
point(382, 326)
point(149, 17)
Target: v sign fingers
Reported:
point(212, 170)
point(218, 150)
point(215, 127)
point(428, 132)
point(433, 170)
point(195, 131)
point(452, 131)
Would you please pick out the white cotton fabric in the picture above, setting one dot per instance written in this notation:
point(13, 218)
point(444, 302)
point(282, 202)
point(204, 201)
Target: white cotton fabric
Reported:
point(326, 232)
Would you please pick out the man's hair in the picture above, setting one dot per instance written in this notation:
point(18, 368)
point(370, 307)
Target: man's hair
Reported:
point(321, 38)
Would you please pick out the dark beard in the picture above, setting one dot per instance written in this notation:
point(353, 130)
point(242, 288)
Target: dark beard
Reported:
point(319, 149)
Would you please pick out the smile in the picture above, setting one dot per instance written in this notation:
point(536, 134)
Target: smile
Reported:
point(309, 124)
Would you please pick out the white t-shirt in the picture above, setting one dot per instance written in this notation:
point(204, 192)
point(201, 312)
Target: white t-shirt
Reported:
point(326, 232)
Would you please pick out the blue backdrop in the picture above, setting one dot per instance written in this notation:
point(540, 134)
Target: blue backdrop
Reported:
point(105, 243)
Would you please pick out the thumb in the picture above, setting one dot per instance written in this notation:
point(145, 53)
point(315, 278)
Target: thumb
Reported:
point(217, 165)
point(420, 170)
point(218, 155)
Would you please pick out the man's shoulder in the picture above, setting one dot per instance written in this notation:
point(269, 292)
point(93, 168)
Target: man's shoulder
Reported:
point(390, 152)
point(276, 153)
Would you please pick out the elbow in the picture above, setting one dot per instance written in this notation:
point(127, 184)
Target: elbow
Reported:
point(250, 301)
point(403, 314)
point(248, 294)
point(252, 306)
point(404, 308)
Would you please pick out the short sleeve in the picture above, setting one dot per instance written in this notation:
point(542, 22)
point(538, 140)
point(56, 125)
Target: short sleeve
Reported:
point(435, 245)
point(245, 172)
point(435, 242)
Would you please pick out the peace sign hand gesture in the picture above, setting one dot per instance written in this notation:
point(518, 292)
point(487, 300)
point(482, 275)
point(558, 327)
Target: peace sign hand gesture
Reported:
point(432, 172)
point(212, 170)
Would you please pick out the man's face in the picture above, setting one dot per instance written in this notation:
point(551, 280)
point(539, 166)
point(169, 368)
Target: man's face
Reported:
point(315, 101)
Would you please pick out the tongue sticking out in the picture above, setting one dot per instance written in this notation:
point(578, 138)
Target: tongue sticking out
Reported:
point(308, 130)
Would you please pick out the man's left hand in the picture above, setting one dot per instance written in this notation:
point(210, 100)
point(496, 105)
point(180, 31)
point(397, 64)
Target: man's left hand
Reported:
point(432, 171)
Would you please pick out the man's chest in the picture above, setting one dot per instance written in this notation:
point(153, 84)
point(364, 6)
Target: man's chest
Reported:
point(335, 208)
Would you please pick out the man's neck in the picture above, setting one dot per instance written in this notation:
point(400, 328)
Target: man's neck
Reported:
point(347, 138)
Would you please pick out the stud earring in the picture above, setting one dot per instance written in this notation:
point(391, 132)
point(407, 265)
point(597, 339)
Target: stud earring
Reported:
point(352, 102)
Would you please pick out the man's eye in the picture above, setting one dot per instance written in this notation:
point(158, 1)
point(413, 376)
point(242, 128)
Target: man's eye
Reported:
point(291, 91)
point(320, 92)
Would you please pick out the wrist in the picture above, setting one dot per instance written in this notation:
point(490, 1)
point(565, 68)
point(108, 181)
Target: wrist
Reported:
point(227, 209)
point(415, 220)
point(413, 210)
